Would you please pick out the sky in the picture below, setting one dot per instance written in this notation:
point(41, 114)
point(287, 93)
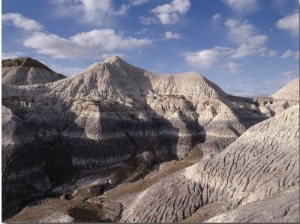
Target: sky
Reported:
point(247, 47)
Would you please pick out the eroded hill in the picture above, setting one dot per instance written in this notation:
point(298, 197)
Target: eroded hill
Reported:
point(27, 71)
point(119, 121)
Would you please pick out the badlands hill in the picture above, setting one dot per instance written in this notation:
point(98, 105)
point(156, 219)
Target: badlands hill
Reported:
point(27, 71)
point(255, 179)
point(112, 124)
point(290, 92)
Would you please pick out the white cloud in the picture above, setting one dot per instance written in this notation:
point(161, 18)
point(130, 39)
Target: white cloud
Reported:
point(170, 35)
point(242, 6)
point(246, 36)
point(138, 2)
point(97, 12)
point(290, 54)
point(92, 44)
point(249, 44)
point(217, 16)
point(169, 13)
point(203, 58)
point(273, 53)
point(214, 57)
point(217, 21)
point(143, 31)
point(232, 66)
point(148, 20)
point(122, 10)
point(90, 11)
point(245, 50)
point(20, 21)
point(296, 55)
point(243, 32)
point(92, 6)
point(287, 54)
point(290, 23)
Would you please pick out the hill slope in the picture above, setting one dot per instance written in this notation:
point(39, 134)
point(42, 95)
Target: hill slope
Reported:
point(27, 71)
point(253, 168)
point(115, 114)
point(289, 92)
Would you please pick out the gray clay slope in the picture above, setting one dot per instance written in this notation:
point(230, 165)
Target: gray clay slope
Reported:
point(114, 113)
point(27, 71)
point(261, 165)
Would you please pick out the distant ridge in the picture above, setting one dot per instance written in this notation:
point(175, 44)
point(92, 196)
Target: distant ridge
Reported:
point(27, 71)
point(23, 61)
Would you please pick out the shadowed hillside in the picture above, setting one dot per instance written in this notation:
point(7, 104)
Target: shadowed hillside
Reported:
point(115, 123)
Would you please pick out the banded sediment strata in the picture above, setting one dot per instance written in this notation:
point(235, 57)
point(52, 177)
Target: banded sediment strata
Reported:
point(114, 114)
point(254, 173)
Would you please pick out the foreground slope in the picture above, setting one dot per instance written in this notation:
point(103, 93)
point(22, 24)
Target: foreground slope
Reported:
point(28, 171)
point(27, 71)
point(260, 165)
point(281, 208)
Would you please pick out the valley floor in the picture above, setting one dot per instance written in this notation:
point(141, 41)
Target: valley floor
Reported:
point(88, 204)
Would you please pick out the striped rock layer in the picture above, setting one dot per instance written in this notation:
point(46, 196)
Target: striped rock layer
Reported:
point(114, 113)
point(255, 179)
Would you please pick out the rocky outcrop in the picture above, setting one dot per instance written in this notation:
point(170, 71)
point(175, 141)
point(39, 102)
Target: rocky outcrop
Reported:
point(261, 167)
point(115, 113)
point(27, 71)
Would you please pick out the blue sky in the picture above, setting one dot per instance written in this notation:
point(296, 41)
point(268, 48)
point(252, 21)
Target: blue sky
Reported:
point(247, 47)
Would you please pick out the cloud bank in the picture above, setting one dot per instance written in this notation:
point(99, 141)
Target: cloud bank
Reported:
point(249, 44)
point(169, 13)
point(290, 23)
point(21, 22)
point(85, 45)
